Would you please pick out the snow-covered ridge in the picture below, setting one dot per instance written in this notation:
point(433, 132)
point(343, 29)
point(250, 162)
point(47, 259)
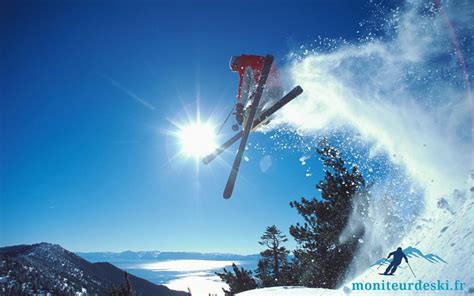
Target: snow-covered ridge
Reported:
point(44, 268)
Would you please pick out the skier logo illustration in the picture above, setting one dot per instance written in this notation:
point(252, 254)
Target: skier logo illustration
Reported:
point(397, 259)
point(249, 68)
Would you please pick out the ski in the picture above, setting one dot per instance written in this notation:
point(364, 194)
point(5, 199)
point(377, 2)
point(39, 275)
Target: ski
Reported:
point(296, 91)
point(229, 188)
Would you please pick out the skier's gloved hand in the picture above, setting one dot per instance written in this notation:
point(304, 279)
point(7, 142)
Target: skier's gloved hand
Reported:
point(406, 260)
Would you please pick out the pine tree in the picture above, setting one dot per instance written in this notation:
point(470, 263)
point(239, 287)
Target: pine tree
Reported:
point(239, 281)
point(124, 290)
point(272, 267)
point(322, 259)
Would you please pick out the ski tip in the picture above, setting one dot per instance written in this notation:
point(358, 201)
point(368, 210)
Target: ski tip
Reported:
point(206, 159)
point(269, 58)
point(229, 188)
point(298, 89)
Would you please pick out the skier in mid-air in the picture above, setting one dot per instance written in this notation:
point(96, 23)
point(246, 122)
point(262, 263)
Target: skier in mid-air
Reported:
point(397, 259)
point(259, 96)
point(249, 68)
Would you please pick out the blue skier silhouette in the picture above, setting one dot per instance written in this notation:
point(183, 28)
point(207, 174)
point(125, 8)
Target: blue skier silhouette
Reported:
point(397, 259)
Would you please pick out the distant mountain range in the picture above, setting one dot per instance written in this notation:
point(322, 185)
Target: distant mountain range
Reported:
point(44, 268)
point(157, 255)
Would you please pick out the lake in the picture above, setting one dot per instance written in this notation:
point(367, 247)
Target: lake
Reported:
point(181, 274)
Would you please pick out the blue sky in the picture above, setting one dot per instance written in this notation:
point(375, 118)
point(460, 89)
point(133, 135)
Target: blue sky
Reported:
point(87, 165)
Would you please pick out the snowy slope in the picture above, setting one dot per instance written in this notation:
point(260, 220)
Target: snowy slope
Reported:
point(448, 233)
point(287, 291)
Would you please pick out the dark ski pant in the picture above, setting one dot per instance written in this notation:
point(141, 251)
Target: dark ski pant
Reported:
point(393, 266)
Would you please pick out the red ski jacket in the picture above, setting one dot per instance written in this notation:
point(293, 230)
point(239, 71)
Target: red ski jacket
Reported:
point(255, 63)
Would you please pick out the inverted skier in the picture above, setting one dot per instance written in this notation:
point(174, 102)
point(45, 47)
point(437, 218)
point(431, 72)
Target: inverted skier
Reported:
point(397, 259)
point(249, 68)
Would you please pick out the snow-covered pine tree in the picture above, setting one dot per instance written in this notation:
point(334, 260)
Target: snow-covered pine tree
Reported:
point(273, 264)
point(322, 259)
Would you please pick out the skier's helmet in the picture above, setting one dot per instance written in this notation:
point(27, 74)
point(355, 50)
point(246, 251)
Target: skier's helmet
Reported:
point(234, 63)
point(399, 249)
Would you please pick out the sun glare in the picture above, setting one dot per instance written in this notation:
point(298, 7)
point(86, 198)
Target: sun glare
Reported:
point(197, 139)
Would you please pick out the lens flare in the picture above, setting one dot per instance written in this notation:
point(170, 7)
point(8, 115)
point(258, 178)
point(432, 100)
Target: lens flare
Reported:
point(197, 139)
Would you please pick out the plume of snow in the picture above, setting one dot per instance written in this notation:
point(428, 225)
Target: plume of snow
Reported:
point(406, 97)
point(403, 94)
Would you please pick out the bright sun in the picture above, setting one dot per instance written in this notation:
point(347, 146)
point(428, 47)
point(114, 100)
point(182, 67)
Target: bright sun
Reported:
point(197, 139)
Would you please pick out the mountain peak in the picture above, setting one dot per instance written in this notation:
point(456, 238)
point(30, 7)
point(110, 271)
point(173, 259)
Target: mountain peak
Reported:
point(49, 268)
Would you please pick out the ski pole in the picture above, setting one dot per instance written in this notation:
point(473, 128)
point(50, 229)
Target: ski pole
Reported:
point(383, 261)
point(411, 270)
